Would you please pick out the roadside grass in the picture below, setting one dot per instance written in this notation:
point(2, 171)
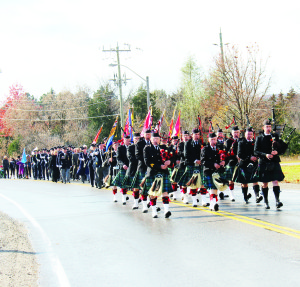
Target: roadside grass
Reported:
point(292, 173)
point(290, 159)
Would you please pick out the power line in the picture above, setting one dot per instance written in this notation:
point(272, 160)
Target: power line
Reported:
point(51, 120)
point(74, 108)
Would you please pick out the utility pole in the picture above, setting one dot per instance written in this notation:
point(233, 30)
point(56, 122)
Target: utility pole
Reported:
point(221, 46)
point(117, 50)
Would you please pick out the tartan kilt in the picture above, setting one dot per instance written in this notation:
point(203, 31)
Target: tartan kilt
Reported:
point(167, 187)
point(179, 174)
point(136, 181)
point(244, 176)
point(228, 173)
point(208, 183)
point(263, 175)
point(118, 180)
point(127, 182)
point(188, 173)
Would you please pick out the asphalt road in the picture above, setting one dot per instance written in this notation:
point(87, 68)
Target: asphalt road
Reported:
point(83, 238)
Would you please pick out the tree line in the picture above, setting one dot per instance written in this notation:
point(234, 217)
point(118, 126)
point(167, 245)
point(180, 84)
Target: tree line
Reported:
point(235, 86)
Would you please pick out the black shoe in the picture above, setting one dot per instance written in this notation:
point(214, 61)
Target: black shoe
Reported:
point(221, 195)
point(259, 198)
point(206, 204)
point(135, 207)
point(168, 214)
point(127, 197)
point(195, 205)
point(155, 216)
point(249, 195)
point(145, 211)
point(124, 203)
point(171, 195)
point(279, 204)
point(139, 200)
point(157, 209)
point(267, 206)
point(216, 207)
point(148, 204)
point(233, 200)
point(197, 200)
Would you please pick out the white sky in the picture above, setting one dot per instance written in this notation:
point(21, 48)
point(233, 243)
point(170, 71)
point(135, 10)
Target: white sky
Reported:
point(59, 43)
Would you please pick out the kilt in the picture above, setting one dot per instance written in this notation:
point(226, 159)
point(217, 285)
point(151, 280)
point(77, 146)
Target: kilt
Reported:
point(243, 175)
point(167, 187)
point(127, 182)
point(118, 180)
point(207, 181)
point(264, 175)
point(228, 173)
point(179, 174)
point(188, 173)
point(136, 181)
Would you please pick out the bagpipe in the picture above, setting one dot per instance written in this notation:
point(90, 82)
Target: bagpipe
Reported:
point(165, 155)
point(278, 144)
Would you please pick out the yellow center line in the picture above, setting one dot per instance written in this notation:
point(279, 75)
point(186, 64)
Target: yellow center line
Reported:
point(248, 220)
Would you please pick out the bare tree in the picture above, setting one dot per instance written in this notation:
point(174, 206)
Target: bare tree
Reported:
point(239, 82)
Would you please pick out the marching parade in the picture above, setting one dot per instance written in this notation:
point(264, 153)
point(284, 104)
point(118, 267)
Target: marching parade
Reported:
point(151, 166)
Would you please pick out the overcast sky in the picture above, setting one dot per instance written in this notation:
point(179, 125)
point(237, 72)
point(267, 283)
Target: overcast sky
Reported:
point(58, 44)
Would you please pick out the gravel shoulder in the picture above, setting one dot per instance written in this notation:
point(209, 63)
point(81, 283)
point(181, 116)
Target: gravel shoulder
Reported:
point(18, 260)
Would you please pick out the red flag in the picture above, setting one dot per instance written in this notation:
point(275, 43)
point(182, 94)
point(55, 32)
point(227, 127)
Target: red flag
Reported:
point(147, 123)
point(97, 135)
point(176, 130)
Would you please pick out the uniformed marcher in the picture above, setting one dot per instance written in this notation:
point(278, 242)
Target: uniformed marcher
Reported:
point(231, 146)
point(211, 162)
point(221, 140)
point(91, 164)
point(269, 169)
point(247, 165)
point(141, 168)
point(193, 171)
point(123, 164)
point(130, 172)
point(113, 167)
point(65, 162)
point(157, 181)
point(83, 161)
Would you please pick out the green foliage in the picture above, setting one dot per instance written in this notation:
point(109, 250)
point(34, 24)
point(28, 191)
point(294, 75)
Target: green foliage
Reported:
point(139, 103)
point(294, 145)
point(14, 146)
point(103, 103)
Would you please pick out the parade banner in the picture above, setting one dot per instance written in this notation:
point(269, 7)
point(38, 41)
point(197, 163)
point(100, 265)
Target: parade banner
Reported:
point(24, 156)
point(114, 127)
point(97, 135)
point(147, 123)
point(159, 123)
point(109, 142)
point(176, 130)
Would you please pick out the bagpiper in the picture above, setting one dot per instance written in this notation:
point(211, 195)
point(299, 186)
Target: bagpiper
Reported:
point(193, 172)
point(157, 181)
point(211, 162)
point(247, 166)
point(269, 169)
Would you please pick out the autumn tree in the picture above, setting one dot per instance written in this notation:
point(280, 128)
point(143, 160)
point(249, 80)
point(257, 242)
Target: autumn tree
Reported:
point(240, 82)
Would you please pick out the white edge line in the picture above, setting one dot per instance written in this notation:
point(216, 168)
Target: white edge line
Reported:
point(56, 264)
